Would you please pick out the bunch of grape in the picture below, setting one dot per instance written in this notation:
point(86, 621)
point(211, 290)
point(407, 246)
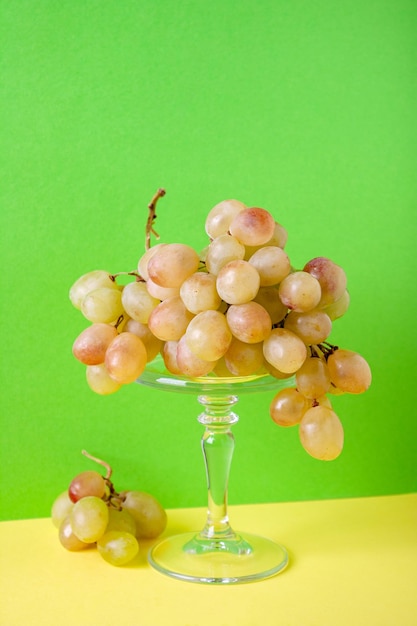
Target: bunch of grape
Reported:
point(91, 513)
point(236, 308)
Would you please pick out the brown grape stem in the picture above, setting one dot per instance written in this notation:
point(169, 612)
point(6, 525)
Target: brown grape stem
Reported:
point(113, 499)
point(107, 467)
point(151, 218)
point(132, 273)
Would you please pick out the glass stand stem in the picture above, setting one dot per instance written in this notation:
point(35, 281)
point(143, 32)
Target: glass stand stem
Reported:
point(217, 554)
point(218, 446)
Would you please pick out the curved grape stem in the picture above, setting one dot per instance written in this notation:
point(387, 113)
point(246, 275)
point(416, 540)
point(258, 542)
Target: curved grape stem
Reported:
point(132, 273)
point(107, 467)
point(113, 498)
point(151, 218)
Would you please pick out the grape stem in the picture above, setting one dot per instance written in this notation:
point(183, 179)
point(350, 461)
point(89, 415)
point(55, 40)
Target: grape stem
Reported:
point(113, 499)
point(132, 273)
point(151, 218)
point(107, 467)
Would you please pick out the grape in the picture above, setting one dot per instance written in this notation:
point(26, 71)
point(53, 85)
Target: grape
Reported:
point(89, 483)
point(102, 305)
point(208, 336)
point(221, 251)
point(118, 547)
point(89, 282)
point(169, 354)
point(89, 518)
point(275, 372)
point(313, 378)
point(220, 217)
point(121, 520)
point(288, 407)
point(321, 433)
point(61, 507)
point(169, 320)
point(189, 363)
point(161, 293)
point(249, 322)
point(272, 263)
point(237, 308)
point(338, 308)
point(332, 278)
point(244, 359)
point(284, 350)
point(126, 358)
point(253, 226)
point(269, 298)
point(91, 345)
point(300, 291)
point(152, 344)
point(238, 282)
point(144, 259)
point(312, 327)
point(349, 371)
point(172, 264)
point(68, 539)
point(149, 515)
point(199, 293)
point(138, 302)
point(99, 380)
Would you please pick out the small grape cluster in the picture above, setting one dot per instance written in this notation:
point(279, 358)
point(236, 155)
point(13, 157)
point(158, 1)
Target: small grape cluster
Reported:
point(91, 513)
point(237, 308)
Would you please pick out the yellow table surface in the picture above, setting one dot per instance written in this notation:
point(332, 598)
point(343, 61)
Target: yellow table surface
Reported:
point(352, 561)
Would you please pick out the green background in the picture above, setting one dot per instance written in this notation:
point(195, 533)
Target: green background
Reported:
point(306, 108)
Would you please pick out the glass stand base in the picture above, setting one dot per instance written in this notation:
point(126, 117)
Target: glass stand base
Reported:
point(191, 558)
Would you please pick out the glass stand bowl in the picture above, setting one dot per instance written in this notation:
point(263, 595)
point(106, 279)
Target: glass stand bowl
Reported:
point(217, 554)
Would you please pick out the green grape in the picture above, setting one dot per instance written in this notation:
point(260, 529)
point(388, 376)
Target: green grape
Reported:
point(272, 263)
point(138, 302)
point(89, 518)
point(118, 547)
point(61, 507)
point(68, 538)
point(300, 291)
point(148, 513)
point(103, 305)
point(284, 350)
point(190, 364)
point(169, 320)
point(199, 293)
point(172, 264)
point(249, 322)
point(349, 371)
point(288, 407)
point(88, 282)
point(121, 520)
point(338, 308)
point(99, 380)
point(208, 335)
point(220, 217)
point(238, 282)
point(152, 344)
point(312, 327)
point(321, 433)
point(243, 359)
point(313, 379)
point(221, 251)
point(126, 358)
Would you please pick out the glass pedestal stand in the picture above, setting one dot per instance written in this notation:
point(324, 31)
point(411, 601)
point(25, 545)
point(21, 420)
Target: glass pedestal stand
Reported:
point(217, 554)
